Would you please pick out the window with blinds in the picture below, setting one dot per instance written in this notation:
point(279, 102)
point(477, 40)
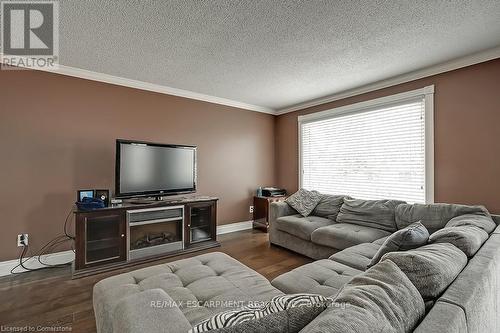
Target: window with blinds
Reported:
point(373, 153)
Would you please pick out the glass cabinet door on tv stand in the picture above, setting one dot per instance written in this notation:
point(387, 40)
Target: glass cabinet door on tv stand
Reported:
point(104, 240)
point(200, 222)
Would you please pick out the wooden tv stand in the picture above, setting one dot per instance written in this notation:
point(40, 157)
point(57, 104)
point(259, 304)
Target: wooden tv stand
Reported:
point(131, 233)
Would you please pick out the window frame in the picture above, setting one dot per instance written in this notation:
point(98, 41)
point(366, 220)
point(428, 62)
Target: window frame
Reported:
point(427, 93)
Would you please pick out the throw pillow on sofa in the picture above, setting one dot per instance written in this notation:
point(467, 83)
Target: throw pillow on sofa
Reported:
point(408, 238)
point(285, 313)
point(382, 299)
point(304, 201)
point(431, 268)
point(467, 238)
point(480, 221)
point(379, 214)
point(329, 206)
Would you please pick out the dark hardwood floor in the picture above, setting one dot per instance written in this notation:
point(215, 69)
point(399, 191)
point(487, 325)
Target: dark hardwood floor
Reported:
point(50, 298)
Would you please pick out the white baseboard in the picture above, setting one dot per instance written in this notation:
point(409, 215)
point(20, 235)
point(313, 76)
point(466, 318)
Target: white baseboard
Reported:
point(67, 256)
point(233, 227)
point(51, 259)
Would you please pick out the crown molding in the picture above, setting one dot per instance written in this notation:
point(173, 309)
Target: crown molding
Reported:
point(141, 85)
point(469, 60)
point(473, 59)
point(121, 81)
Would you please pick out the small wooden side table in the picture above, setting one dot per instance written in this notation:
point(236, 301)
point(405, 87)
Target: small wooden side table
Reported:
point(261, 211)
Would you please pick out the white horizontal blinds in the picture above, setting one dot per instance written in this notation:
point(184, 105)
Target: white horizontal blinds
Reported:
point(372, 154)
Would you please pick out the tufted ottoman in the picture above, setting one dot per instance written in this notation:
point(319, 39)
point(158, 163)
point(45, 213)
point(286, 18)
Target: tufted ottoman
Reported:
point(174, 296)
point(325, 277)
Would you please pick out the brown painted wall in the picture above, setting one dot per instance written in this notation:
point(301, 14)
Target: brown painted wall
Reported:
point(57, 135)
point(466, 130)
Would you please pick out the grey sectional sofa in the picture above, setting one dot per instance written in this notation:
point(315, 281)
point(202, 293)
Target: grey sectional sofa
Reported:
point(470, 304)
point(175, 296)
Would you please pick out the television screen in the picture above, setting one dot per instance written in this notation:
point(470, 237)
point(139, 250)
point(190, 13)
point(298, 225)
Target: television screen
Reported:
point(144, 168)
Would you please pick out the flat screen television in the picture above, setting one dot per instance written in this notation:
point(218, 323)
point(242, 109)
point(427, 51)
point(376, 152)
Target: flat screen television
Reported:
point(154, 169)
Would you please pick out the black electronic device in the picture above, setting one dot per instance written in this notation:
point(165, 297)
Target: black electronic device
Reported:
point(273, 192)
point(103, 195)
point(154, 169)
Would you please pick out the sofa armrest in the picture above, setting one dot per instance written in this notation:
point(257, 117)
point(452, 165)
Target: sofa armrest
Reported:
point(278, 209)
point(149, 311)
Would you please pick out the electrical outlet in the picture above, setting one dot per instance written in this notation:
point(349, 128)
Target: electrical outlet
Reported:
point(251, 209)
point(22, 240)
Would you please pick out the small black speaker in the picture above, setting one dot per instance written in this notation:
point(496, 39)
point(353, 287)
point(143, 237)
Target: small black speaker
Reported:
point(103, 195)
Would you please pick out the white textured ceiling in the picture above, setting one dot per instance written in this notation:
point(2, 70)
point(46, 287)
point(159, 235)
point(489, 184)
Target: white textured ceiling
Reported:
point(273, 53)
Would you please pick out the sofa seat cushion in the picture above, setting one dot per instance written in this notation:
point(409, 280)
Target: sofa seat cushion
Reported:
point(433, 216)
point(324, 277)
point(300, 226)
point(378, 214)
point(381, 241)
point(200, 286)
point(382, 299)
point(358, 256)
point(344, 235)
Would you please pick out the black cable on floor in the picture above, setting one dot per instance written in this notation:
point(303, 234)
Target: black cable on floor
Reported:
point(49, 249)
point(46, 249)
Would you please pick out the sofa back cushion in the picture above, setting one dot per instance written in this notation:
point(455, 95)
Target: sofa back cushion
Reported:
point(467, 238)
point(375, 301)
point(431, 268)
point(329, 206)
point(412, 236)
point(304, 201)
point(433, 216)
point(481, 221)
point(378, 214)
